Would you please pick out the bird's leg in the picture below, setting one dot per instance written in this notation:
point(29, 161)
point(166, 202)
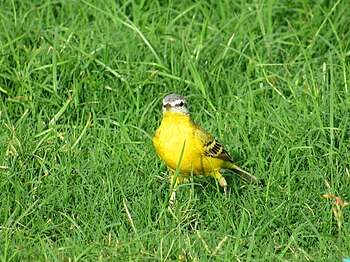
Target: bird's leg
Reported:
point(173, 194)
point(179, 179)
point(221, 180)
point(174, 183)
point(172, 198)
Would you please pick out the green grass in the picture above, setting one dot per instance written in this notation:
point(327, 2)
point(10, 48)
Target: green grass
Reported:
point(81, 85)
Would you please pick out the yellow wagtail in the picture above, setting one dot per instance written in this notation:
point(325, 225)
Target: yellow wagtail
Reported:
point(178, 137)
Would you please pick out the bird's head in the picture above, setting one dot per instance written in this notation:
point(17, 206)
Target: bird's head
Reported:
point(175, 103)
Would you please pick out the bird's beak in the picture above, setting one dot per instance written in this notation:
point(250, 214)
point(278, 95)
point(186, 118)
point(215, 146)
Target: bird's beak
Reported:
point(167, 107)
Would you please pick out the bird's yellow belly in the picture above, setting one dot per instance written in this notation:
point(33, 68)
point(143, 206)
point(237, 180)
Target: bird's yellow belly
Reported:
point(173, 138)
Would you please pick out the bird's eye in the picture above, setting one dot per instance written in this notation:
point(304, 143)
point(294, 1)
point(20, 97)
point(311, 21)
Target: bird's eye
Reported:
point(181, 104)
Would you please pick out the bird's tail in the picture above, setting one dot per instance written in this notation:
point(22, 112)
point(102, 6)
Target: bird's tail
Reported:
point(242, 173)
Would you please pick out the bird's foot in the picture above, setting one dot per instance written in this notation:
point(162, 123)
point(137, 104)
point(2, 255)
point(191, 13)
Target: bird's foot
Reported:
point(172, 200)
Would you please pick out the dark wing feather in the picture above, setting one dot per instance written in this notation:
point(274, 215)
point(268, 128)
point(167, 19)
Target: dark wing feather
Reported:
point(212, 147)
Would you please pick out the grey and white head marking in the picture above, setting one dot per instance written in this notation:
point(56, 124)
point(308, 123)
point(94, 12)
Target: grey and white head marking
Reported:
point(175, 103)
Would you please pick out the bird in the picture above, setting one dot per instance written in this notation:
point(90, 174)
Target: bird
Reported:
point(186, 146)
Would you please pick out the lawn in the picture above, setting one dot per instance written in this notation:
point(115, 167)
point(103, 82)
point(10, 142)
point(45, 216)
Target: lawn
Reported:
point(81, 86)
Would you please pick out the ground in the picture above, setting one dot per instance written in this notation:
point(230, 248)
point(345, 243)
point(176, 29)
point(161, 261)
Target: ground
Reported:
point(81, 85)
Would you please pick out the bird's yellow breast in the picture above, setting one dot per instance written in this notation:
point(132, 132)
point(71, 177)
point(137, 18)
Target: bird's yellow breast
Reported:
point(177, 133)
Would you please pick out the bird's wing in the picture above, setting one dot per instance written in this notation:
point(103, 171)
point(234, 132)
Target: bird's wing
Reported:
point(211, 146)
